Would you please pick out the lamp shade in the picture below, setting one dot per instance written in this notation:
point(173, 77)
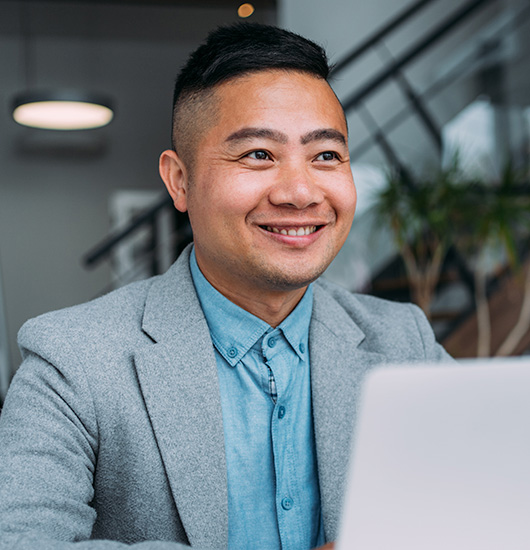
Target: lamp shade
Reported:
point(62, 110)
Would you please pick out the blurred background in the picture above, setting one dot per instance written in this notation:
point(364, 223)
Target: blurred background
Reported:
point(437, 94)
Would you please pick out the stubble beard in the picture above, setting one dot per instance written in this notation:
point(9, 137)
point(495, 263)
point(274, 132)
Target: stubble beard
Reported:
point(274, 278)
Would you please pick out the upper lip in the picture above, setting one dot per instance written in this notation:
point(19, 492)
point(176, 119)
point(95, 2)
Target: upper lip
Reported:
point(293, 224)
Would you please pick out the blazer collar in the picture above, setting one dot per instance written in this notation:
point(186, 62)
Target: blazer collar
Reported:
point(172, 305)
point(339, 360)
point(178, 378)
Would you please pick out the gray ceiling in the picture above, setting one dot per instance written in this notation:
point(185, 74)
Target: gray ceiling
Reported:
point(158, 20)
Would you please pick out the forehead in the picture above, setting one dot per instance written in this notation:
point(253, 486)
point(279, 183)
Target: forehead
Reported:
point(288, 101)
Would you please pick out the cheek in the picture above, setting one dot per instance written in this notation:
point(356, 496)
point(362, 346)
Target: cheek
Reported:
point(219, 200)
point(238, 193)
point(353, 199)
point(343, 196)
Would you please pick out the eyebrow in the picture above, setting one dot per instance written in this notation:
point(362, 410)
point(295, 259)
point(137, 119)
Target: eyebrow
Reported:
point(323, 135)
point(251, 133)
point(275, 135)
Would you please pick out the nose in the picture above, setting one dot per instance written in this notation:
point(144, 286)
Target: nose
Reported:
point(296, 188)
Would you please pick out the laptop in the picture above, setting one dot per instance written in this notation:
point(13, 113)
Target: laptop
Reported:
point(441, 459)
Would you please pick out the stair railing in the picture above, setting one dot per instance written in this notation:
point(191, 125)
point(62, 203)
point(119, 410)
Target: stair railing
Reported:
point(394, 70)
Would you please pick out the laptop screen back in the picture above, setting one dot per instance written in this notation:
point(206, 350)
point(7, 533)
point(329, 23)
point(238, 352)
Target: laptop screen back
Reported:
point(441, 459)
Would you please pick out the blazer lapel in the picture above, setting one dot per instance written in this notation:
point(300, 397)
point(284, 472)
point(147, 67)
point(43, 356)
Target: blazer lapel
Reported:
point(338, 365)
point(178, 377)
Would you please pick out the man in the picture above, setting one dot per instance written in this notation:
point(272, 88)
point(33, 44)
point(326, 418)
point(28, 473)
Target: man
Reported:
point(214, 405)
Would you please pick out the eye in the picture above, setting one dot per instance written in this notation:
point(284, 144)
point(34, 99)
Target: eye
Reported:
point(327, 156)
point(259, 155)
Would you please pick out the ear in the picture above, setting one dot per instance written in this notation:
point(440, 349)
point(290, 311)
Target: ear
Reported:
point(174, 174)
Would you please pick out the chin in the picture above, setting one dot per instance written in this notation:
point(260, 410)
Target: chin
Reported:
point(286, 281)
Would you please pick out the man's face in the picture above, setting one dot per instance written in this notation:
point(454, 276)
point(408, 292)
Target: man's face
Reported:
point(271, 197)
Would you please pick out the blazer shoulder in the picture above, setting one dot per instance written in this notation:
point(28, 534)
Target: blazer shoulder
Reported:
point(114, 316)
point(363, 306)
point(395, 328)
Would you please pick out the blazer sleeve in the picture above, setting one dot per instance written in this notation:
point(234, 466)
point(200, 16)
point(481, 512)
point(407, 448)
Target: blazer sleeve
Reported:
point(48, 456)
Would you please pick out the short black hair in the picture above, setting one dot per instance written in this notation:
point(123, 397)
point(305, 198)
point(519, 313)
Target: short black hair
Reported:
point(234, 50)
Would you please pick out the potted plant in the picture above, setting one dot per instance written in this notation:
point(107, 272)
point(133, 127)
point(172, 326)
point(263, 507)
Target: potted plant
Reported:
point(419, 216)
point(483, 220)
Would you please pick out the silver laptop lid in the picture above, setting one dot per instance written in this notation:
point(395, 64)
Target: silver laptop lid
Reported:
point(441, 459)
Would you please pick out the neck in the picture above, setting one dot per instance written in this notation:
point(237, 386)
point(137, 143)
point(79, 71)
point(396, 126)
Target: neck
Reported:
point(270, 306)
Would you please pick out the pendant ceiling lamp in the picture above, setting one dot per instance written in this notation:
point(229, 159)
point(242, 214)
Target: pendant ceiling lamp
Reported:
point(62, 110)
point(56, 109)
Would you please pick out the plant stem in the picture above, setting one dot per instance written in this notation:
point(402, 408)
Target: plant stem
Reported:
point(483, 315)
point(523, 323)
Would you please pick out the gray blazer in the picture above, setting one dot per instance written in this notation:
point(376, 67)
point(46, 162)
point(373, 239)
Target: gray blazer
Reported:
point(112, 428)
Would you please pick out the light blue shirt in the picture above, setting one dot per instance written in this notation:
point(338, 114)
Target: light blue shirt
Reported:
point(264, 379)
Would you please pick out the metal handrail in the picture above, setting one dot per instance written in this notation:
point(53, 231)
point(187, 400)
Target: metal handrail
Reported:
point(379, 35)
point(516, 20)
point(389, 72)
point(105, 247)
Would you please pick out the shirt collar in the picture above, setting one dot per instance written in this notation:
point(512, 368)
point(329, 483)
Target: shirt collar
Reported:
point(295, 326)
point(234, 330)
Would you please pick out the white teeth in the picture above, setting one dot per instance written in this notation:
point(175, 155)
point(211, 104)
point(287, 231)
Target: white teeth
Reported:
point(293, 232)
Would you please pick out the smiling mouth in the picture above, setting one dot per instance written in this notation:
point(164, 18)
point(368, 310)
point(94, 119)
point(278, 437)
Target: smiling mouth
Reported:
point(292, 231)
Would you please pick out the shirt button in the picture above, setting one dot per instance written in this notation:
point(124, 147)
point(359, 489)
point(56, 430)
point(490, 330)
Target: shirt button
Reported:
point(281, 412)
point(272, 342)
point(232, 352)
point(287, 503)
point(301, 347)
